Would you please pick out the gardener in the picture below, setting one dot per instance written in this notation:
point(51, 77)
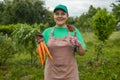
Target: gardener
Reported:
point(61, 40)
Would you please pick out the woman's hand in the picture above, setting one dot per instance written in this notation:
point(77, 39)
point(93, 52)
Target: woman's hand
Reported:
point(39, 38)
point(74, 41)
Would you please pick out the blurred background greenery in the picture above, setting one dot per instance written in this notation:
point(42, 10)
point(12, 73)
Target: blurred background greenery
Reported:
point(21, 20)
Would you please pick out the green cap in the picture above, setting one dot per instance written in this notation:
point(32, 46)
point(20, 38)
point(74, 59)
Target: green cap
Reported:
point(61, 7)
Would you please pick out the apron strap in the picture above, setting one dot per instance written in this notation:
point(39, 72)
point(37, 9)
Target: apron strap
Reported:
point(75, 33)
point(51, 33)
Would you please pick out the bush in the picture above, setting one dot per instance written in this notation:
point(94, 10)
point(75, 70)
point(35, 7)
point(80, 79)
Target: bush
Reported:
point(7, 48)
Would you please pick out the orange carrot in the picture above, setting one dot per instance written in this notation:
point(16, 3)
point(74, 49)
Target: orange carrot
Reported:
point(40, 55)
point(46, 49)
point(43, 51)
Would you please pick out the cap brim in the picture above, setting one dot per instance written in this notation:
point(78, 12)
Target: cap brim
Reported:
point(59, 9)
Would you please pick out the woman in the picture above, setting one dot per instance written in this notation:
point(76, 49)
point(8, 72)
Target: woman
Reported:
point(61, 40)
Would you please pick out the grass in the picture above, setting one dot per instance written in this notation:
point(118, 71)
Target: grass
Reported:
point(105, 69)
point(19, 67)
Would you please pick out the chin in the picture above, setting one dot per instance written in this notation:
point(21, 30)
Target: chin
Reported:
point(60, 23)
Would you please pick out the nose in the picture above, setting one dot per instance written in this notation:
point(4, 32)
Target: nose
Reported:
point(59, 15)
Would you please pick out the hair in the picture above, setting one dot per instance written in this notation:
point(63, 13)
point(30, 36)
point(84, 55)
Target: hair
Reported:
point(70, 27)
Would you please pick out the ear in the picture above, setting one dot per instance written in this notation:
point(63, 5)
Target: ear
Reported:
point(67, 15)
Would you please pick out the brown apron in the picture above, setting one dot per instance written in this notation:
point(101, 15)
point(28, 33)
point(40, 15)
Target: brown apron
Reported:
point(64, 65)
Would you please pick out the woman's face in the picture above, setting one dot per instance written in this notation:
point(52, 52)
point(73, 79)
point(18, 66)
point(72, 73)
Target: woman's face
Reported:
point(60, 17)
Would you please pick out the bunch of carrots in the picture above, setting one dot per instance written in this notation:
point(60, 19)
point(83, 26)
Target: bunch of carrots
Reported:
point(42, 50)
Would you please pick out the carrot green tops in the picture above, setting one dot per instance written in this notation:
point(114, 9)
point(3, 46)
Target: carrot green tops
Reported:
point(62, 32)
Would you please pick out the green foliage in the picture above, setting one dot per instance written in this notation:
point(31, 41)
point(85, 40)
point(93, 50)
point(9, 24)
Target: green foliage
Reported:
point(92, 11)
point(7, 14)
point(19, 68)
point(99, 51)
point(107, 68)
point(71, 20)
point(1, 10)
point(116, 10)
point(7, 48)
point(8, 29)
point(103, 24)
point(24, 11)
point(84, 21)
point(25, 35)
point(80, 20)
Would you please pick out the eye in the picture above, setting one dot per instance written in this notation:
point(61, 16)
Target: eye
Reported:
point(60, 13)
point(56, 13)
point(63, 13)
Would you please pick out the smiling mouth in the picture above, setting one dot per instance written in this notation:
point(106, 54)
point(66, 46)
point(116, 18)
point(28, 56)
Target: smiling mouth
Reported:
point(59, 19)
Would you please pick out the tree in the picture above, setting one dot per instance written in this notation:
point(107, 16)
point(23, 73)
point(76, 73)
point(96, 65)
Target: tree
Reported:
point(84, 21)
point(79, 21)
point(91, 12)
point(70, 20)
point(103, 24)
point(116, 10)
point(7, 15)
point(41, 14)
point(1, 10)
point(24, 11)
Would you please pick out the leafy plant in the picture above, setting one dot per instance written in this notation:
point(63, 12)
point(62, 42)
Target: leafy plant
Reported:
point(7, 48)
point(25, 39)
point(103, 24)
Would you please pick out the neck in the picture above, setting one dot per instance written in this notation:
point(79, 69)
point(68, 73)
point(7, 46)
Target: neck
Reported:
point(63, 25)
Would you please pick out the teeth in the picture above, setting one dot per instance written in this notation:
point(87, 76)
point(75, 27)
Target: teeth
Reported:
point(60, 20)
